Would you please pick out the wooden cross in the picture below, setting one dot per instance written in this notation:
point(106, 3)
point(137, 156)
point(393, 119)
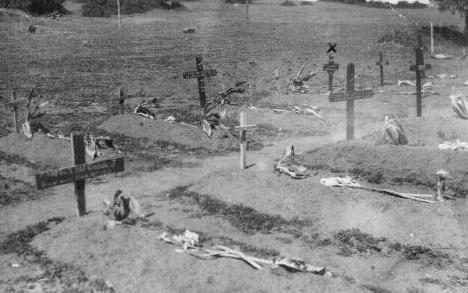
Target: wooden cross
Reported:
point(13, 105)
point(79, 172)
point(200, 74)
point(243, 140)
point(420, 69)
point(349, 96)
point(122, 97)
point(331, 67)
point(381, 65)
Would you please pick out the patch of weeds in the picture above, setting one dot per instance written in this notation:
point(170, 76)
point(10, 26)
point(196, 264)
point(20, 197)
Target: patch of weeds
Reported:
point(446, 136)
point(244, 218)
point(14, 191)
point(431, 281)
point(376, 289)
point(59, 276)
point(371, 175)
point(429, 256)
point(356, 241)
point(244, 247)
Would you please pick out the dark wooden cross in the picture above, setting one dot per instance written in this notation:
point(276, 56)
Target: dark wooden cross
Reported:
point(381, 65)
point(121, 99)
point(200, 74)
point(14, 105)
point(420, 69)
point(349, 96)
point(331, 67)
point(79, 172)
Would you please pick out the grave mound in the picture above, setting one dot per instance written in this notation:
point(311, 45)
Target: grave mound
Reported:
point(394, 165)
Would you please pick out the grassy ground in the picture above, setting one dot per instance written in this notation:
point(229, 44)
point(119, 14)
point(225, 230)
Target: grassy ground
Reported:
point(370, 242)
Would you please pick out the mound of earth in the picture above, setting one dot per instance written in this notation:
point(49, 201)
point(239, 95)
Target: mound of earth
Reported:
point(392, 164)
point(182, 137)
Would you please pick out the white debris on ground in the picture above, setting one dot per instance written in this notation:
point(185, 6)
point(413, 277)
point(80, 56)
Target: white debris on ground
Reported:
point(307, 110)
point(287, 165)
point(393, 132)
point(349, 182)
point(141, 110)
point(459, 105)
point(456, 145)
point(441, 57)
point(190, 244)
point(406, 82)
point(171, 119)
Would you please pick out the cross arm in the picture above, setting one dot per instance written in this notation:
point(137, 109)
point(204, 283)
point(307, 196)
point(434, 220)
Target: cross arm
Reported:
point(420, 67)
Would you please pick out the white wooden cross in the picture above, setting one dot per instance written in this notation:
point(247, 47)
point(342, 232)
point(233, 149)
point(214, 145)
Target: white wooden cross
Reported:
point(14, 105)
point(79, 172)
point(243, 140)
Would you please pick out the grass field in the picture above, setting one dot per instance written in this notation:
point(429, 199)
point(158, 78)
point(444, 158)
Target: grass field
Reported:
point(369, 242)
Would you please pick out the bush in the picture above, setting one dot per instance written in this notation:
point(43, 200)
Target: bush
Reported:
point(288, 3)
point(35, 7)
point(105, 8)
point(306, 3)
point(237, 1)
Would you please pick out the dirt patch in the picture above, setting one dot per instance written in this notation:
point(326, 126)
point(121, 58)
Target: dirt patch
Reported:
point(15, 191)
point(55, 276)
point(391, 164)
point(354, 241)
point(242, 217)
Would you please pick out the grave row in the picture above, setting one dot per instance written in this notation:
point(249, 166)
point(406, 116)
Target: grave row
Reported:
point(81, 171)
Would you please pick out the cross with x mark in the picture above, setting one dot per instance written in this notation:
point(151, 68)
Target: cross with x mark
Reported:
point(331, 67)
point(331, 47)
point(349, 96)
point(200, 74)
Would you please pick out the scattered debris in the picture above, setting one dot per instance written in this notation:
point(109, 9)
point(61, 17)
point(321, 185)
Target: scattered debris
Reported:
point(189, 242)
point(14, 265)
point(445, 75)
point(54, 14)
point(349, 182)
point(188, 30)
point(459, 105)
point(120, 208)
point(32, 29)
point(456, 145)
point(441, 57)
point(307, 110)
point(297, 85)
point(406, 82)
point(141, 110)
point(287, 165)
point(394, 132)
point(171, 119)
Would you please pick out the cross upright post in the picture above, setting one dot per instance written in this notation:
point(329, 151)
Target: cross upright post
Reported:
point(13, 105)
point(243, 140)
point(200, 75)
point(380, 63)
point(331, 67)
point(349, 96)
point(79, 157)
point(420, 69)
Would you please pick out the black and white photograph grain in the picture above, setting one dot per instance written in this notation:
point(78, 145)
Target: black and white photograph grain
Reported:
point(234, 146)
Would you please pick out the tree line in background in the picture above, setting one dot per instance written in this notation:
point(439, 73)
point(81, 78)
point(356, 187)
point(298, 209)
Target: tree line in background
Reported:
point(460, 6)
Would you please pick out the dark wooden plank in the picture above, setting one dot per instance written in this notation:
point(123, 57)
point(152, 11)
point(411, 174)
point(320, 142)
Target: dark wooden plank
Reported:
point(83, 171)
point(79, 158)
point(197, 74)
point(331, 67)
